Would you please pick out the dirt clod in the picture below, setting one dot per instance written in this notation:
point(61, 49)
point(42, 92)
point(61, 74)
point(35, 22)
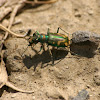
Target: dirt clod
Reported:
point(97, 79)
point(4, 78)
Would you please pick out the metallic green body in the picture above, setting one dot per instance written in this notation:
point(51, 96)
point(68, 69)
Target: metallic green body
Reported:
point(53, 39)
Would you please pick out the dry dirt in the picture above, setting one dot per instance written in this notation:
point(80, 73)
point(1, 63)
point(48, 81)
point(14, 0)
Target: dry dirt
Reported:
point(70, 73)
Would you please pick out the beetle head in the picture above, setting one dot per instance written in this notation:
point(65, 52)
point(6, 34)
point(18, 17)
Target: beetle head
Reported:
point(34, 39)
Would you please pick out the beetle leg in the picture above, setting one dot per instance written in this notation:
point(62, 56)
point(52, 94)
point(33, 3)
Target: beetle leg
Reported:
point(68, 49)
point(42, 47)
point(51, 55)
point(71, 51)
point(58, 30)
point(48, 32)
point(24, 51)
point(62, 30)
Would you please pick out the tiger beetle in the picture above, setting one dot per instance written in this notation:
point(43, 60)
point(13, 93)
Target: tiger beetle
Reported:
point(53, 39)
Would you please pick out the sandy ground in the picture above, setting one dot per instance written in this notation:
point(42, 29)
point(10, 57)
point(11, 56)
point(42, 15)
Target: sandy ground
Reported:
point(70, 73)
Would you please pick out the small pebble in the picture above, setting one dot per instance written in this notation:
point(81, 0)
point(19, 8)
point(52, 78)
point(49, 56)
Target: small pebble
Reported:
point(67, 67)
point(13, 95)
point(33, 98)
point(97, 79)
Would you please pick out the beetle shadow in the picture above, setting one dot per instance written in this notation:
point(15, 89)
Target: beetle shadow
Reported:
point(44, 58)
point(84, 49)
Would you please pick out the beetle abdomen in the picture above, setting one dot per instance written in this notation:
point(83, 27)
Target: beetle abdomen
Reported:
point(58, 40)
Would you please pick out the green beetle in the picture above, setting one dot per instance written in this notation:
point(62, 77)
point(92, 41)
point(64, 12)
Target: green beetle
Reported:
point(53, 39)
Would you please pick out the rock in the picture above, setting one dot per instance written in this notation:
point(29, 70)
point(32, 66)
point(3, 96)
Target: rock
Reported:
point(82, 95)
point(83, 36)
point(85, 43)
